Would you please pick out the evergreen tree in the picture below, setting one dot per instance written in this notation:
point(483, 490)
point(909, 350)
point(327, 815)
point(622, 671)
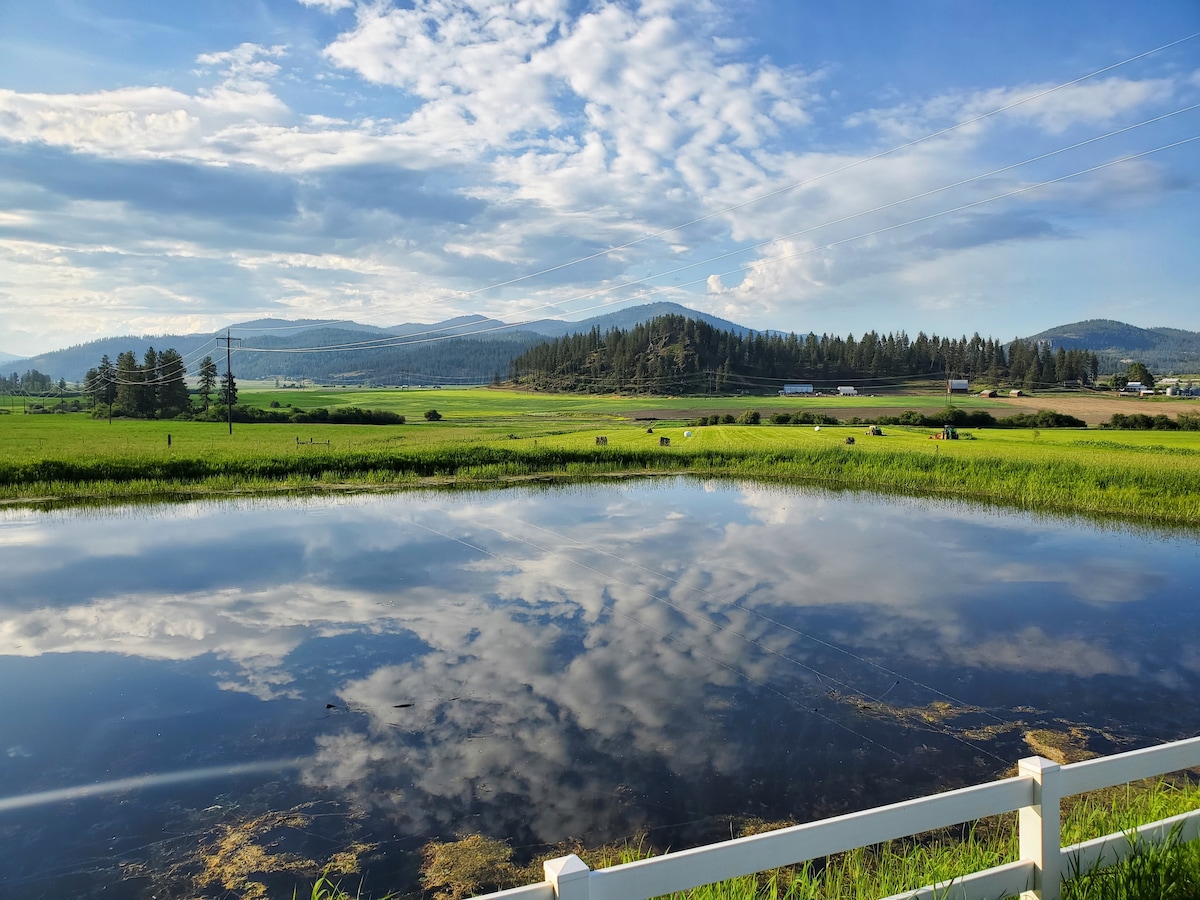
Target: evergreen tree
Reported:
point(228, 394)
point(172, 388)
point(128, 381)
point(208, 380)
point(93, 388)
point(107, 374)
point(147, 398)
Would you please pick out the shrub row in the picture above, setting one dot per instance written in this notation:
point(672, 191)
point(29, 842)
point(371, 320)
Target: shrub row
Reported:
point(1186, 421)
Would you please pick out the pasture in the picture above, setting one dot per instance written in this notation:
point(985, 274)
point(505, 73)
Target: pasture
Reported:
point(495, 436)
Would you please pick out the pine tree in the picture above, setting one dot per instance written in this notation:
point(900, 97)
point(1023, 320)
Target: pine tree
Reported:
point(228, 395)
point(147, 398)
point(208, 380)
point(172, 388)
point(128, 381)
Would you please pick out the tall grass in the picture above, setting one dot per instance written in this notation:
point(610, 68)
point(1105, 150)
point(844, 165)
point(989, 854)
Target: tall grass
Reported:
point(1114, 487)
point(477, 864)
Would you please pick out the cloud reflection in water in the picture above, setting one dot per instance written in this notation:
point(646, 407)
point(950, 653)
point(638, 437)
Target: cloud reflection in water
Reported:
point(544, 663)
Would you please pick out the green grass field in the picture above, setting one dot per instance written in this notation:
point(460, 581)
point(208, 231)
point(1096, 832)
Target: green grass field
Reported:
point(494, 436)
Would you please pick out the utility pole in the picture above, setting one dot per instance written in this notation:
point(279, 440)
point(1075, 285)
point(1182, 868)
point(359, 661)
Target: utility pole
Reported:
point(229, 374)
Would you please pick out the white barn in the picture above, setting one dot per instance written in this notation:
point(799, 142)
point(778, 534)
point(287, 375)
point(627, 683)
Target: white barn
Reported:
point(791, 390)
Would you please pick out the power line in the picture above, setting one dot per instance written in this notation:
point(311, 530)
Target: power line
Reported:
point(790, 187)
point(408, 340)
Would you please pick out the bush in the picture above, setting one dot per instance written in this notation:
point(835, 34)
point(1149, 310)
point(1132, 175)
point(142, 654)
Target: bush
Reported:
point(750, 417)
point(432, 415)
point(1185, 421)
point(1043, 418)
point(979, 418)
point(781, 419)
point(350, 415)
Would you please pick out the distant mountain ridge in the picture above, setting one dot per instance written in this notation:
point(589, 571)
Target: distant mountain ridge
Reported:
point(1163, 350)
point(476, 348)
point(432, 353)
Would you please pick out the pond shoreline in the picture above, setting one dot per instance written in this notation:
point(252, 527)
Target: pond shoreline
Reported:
point(1116, 495)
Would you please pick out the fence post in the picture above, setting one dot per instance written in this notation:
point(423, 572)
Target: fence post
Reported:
point(568, 875)
point(1040, 829)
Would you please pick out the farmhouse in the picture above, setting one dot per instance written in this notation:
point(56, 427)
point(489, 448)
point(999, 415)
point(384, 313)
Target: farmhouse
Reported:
point(792, 390)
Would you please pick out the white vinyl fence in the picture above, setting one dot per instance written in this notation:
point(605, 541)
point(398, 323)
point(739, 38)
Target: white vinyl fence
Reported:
point(1035, 792)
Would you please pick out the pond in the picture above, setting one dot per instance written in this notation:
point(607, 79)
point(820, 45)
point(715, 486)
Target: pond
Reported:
point(671, 658)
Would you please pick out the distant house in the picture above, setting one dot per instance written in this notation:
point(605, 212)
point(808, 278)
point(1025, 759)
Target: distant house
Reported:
point(847, 390)
point(987, 393)
point(957, 386)
point(792, 390)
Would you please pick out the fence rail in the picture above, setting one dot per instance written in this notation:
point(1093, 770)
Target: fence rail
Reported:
point(1035, 794)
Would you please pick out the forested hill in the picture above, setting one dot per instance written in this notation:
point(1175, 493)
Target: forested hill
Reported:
point(677, 355)
point(1163, 350)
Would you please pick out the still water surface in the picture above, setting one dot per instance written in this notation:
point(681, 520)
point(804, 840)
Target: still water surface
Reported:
point(544, 664)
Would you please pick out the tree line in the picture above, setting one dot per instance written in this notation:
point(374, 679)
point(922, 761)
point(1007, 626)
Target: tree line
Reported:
point(675, 354)
point(156, 387)
point(32, 382)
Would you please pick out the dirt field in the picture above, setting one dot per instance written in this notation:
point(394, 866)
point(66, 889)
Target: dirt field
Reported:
point(1095, 409)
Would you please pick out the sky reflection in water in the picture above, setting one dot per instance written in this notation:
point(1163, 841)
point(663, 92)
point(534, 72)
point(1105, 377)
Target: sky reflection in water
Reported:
point(542, 664)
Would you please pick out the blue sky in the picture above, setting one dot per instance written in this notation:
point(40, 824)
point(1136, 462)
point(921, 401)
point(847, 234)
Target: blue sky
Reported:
point(180, 167)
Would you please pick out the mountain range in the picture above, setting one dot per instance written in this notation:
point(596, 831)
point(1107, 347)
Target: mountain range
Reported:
point(474, 349)
point(465, 349)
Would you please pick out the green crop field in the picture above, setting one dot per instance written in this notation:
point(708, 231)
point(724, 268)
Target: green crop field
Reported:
point(487, 403)
point(489, 436)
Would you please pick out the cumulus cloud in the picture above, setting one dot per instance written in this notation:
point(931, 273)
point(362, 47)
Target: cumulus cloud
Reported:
point(468, 143)
point(330, 6)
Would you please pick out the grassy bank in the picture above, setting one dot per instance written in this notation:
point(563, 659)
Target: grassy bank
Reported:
point(476, 864)
point(1147, 476)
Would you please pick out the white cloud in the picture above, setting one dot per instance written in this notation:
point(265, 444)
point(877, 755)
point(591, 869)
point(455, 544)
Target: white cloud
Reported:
point(330, 6)
point(155, 122)
point(558, 130)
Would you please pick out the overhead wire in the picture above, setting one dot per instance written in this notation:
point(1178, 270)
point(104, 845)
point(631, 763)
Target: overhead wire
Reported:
point(793, 186)
point(756, 264)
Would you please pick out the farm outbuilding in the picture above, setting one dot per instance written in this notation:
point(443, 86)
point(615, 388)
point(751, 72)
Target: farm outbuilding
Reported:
point(957, 386)
point(1016, 393)
point(847, 390)
point(987, 393)
point(791, 390)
